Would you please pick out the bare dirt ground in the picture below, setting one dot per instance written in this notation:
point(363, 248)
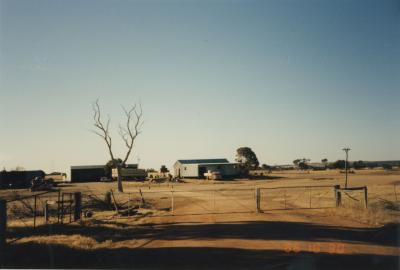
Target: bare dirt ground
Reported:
point(213, 224)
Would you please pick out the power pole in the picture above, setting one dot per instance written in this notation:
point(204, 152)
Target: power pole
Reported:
point(345, 164)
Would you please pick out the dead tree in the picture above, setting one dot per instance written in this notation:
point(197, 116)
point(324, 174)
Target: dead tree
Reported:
point(128, 133)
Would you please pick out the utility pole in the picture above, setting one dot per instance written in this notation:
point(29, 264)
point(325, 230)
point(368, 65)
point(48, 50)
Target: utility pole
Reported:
point(345, 164)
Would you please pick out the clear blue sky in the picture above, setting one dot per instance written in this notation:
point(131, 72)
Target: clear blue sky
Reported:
point(289, 79)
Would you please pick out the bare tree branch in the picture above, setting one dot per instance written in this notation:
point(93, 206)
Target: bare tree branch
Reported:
point(133, 128)
point(103, 131)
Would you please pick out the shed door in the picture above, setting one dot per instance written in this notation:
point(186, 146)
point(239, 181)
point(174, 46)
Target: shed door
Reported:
point(202, 171)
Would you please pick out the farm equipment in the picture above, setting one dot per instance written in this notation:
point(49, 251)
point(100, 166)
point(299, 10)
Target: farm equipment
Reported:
point(213, 175)
point(42, 184)
point(105, 179)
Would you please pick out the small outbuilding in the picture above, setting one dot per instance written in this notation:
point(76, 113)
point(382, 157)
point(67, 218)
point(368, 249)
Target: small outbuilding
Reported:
point(93, 173)
point(18, 179)
point(90, 173)
point(196, 168)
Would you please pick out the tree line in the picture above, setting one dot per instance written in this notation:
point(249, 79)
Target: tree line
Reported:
point(248, 160)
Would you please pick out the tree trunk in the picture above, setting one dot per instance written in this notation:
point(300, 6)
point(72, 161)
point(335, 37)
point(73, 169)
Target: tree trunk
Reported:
point(120, 188)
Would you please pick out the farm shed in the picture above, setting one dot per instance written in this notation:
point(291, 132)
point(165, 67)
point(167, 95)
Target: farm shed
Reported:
point(90, 173)
point(196, 168)
point(129, 173)
point(18, 179)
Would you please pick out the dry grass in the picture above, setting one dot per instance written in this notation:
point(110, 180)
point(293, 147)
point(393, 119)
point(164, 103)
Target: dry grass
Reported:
point(375, 215)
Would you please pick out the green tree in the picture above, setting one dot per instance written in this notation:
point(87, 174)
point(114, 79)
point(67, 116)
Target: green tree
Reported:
point(265, 167)
point(296, 162)
point(325, 162)
point(387, 166)
point(339, 164)
point(164, 169)
point(301, 163)
point(372, 165)
point(247, 158)
point(359, 164)
point(110, 165)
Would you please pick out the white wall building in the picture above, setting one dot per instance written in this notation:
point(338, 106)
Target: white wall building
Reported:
point(196, 168)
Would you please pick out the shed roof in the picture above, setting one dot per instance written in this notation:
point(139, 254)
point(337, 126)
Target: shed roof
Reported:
point(87, 167)
point(203, 161)
point(83, 167)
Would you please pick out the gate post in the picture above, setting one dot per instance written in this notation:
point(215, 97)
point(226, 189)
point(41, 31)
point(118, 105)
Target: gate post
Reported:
point(172, 202)
point(338, 196)
point(46, 212)
point(257, 191)
point(70, 208)
point(58, 206)
point(34, 213)
point(62, 208)
point(366, 196)
point(3, 225)
point(78, 206)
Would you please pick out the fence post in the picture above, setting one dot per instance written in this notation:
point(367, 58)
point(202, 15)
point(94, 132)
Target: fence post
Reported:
point(338, 195)
point(58, 206)
point(395, 193)
point(34, 213)
point(70, 207)
point(214, 201)
point(284, 196)
point(142, 201)
point(3, 225)
point(255, 198)
point(62, 208)
point(310, 196)
point(129, 204)
point(78, 206)
point(257, 191)
point(366, 196)
point(46, 212)
point(172, 202)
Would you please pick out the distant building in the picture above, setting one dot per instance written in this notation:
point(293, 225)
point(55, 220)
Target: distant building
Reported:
point(93, 173)
point(317, 166)
point(90, 173)
point(57, 176)
point(157, 175)
point(18, 179)
point(130, 172)
point(196, 168)
point(284, 167)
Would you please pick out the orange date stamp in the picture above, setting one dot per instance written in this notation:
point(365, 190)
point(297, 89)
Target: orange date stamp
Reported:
point(333, 248)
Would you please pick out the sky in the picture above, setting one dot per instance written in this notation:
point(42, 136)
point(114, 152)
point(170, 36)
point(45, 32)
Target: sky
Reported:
point(290, 79)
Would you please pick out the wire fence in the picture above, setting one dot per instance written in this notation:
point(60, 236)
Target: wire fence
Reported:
point(170, 202)
point(298, 197)
point(353, 198)
point(58, 207)
point(218, 201)
point(48, 207)
point(384, 196)
point(29, 211)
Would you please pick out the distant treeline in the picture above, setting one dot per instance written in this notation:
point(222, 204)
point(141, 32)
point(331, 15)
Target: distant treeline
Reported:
point(338, 164)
